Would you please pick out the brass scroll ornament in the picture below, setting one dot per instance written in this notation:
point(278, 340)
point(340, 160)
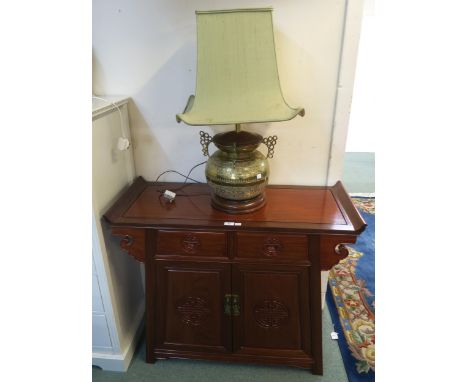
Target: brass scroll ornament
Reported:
point(205, 140)
point(270, 142)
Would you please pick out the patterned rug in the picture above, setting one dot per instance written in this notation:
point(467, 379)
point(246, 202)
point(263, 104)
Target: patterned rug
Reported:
point(351, 300)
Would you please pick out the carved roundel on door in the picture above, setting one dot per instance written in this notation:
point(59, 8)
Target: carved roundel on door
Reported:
point(190, 244)
point(271, 314)
point(192, 310)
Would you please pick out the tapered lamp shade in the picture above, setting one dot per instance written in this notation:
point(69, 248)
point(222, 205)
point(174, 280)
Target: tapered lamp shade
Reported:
point(237, 74)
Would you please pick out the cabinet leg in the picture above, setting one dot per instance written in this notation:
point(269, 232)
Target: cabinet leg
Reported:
point(317, 369)
point(150, 358)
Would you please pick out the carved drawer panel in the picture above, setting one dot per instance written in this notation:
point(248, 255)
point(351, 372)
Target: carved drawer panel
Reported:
point(191, 243)
point(271, 246)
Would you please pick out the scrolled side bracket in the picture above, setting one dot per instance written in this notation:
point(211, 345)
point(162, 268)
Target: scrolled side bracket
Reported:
point(133, 241)
point(333, 250)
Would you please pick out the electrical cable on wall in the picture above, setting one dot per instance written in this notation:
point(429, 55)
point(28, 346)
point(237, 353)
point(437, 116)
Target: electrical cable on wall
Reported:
point(123, 142)
point(169, 194)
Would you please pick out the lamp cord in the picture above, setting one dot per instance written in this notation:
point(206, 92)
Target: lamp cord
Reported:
point(187, 177)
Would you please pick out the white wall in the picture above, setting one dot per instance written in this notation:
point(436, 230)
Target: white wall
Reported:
point(147, 50)
point(361, 136)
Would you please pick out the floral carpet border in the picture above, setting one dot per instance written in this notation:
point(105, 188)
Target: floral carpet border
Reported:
point(365, 204)
point(356, 317)
point(349, 294)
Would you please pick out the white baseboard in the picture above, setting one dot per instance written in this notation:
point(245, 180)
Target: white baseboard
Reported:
point(111, 362)
point(364, 194)
point(120, 362)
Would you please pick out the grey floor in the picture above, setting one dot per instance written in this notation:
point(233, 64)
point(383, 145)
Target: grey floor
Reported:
point(203, 371)
point(359, 172)
point(358, 178)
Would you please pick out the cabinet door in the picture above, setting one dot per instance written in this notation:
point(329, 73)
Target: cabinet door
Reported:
point(274, 317)
point(189, 303)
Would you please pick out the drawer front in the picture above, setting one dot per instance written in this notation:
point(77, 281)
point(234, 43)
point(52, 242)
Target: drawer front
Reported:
point(271, 246)
point(191, 243)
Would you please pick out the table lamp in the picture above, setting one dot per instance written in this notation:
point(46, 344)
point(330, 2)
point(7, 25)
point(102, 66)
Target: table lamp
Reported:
point(237, 82)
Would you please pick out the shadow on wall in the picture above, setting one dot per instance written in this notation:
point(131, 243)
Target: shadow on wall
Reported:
point(290, 57)
point(127, 280)
point(158, 139)
point(99, 75)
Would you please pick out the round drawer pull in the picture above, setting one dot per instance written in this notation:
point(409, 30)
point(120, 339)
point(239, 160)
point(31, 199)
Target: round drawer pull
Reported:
point(272, 247)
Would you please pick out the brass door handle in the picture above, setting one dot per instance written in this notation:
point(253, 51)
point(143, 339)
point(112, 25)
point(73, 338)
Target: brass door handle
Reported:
point(227, 305)
point(235, 305)
point(231, 305)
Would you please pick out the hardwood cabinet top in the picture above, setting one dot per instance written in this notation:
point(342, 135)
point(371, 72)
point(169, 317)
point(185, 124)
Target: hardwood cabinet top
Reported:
point(288, 208)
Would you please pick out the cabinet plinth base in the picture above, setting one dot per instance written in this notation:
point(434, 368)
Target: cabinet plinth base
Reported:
point(302, 363)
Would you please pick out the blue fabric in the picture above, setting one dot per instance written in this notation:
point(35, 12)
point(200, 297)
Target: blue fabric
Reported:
point(365, 270)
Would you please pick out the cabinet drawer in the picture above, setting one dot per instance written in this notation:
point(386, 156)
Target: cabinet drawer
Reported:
point(191, 243)
point(271, 246)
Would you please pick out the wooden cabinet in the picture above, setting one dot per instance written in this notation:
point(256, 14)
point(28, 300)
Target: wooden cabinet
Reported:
point(244, 293)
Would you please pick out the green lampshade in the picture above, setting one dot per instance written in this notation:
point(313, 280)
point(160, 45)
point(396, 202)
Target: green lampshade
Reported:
point(237, 74)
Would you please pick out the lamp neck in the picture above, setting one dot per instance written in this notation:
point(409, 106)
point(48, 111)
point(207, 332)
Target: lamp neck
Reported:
point(238, 127)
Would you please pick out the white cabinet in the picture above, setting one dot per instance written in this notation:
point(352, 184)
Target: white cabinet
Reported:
point(118, 287)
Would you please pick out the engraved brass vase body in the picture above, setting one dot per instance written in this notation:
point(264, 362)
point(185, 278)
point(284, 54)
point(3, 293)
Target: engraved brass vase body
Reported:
point(237, 173)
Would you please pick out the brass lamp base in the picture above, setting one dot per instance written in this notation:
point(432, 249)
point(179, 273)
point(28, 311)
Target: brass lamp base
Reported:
point(237, 173)
point(238, 206)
